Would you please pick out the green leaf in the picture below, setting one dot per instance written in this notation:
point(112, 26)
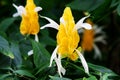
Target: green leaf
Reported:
point(3, 76)
point(118, 9)
point(90, 78)
point(96, 14)
point(108, 76)
point(24, 73)
point(100, 68)
point(41, 68)
point(114, 3)
point(85, 5)
point(46, 40)
point(6, 23)
point(41, 55)
point(17, 55)
point(5, 61)
point(4, 48)
point(3, 34)
point(58, 78)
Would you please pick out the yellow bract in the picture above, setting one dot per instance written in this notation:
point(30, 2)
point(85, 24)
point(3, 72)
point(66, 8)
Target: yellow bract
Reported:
point(88, 38)
point(29, 24)
point(67, 37)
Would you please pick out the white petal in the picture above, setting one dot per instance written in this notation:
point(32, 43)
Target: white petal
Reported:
point(51, 23)
point(100, 39)
point(84, 63)
point(59, 66)
point(62, 21)
point(16, 14)
point(54, 55)
point(38, 9)
point(30, 52)
point(36, 38)
point(20, 10)
point(15, 6)
point(80, 24)
point(62, 69)
point(97, 52)
point(86, 26)
point(98, 30)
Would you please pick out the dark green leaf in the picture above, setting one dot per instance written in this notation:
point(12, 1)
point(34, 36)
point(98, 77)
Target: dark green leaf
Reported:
point(3, 34)
point(102, 11)
point(4, 48)
point(3, 76)
point(85, 5)
point(114, 3)
point(46, 40)
point(5, 61)
point(41, 55)
point(17, 55)
point(6, 23)
point(100, 68)
point(118, 9)
point(24, 73)
point(58, 78)
point(108, 76)
point(90, 78)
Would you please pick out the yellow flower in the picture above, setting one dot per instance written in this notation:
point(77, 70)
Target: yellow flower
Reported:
point(89, 39)
point(29, 23)
point(67, 39)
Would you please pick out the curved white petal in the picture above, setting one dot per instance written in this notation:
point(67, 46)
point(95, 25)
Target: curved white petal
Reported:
point(59, 66)
point(16, 14)
point(30, 52)
point(36, 38)
point(80, 24)
point(51, 23)
point(98, 30)
point(38, 9)
point(97, 52)
point(100, 39)
point(62, 69)
point(54, 55)
point(84, 63)
point(20, 10)
point(86, 26)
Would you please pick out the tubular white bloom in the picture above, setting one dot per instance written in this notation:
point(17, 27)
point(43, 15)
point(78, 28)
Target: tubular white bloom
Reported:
point(84, 63)
point(58, 62)
point(80, 24)
point(51, 24)
point(20, 10)
point(37, 9)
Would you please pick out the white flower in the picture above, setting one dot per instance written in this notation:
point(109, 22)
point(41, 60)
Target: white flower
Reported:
point(100, 38)
point(21, 10)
